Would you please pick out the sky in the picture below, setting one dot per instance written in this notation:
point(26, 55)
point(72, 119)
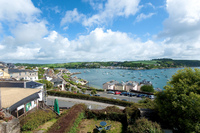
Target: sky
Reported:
point(61, 31)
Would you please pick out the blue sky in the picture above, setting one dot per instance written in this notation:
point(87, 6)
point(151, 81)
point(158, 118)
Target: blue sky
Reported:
point(60, 31)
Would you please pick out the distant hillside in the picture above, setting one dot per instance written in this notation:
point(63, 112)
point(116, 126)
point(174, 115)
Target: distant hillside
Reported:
point(146, 64)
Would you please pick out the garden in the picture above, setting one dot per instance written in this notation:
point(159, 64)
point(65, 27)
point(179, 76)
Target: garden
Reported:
point(79, 119)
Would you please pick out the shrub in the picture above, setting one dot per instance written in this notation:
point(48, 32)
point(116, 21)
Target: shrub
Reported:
point(144, 126)
point(132, 113)
point(69, 121)
point(35, 119)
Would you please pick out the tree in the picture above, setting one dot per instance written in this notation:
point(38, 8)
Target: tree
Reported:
point(83, 90)
point(93, 92)
point(144, 126)
point(147, 88)
point(48, 84)
point(179, 103)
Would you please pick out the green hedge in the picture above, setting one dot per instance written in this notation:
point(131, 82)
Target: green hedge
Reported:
point(35, 119)
point(69, 121)
point(92, 98)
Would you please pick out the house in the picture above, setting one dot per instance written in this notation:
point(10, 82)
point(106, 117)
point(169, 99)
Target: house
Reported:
point(131, 85)
point(120, 86)
point(4, 72)
point(23, 74)
point(18, 97)
point(17, 101)
point(78, 80)
point(110, 85)
point(47, 77)
point(145, 82)
point(57, 82)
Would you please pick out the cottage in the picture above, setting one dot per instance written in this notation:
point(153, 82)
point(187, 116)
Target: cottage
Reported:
point(57, 82)
point(131, 85)
point(23, 74)
point(110, 85)
point(4, 72)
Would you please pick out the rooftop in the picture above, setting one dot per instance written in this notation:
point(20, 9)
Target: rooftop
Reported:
point(10, 96)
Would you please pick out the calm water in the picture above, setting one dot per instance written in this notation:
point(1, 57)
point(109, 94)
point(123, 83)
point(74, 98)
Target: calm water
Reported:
point(97, 77)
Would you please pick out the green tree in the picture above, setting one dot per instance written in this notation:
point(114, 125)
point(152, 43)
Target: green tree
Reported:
point(144, 126)
point(147, 88)
point(179, 103)
point(73, 89)
point(48, 84)
point(93, 92)
point(83, 90)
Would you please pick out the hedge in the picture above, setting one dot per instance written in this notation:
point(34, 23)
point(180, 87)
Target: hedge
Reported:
point(69, 121)
point(92, 98)
point(35, 119)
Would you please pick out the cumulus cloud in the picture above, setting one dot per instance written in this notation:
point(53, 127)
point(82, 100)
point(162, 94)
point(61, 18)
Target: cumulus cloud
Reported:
point(143, 16)
point(112, 9)
point(97, 45)
point(181, 29)
point(30, 32)
point(72, 16)
point(17, 10)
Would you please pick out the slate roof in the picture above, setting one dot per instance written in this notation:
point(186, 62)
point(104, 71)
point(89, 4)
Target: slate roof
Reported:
point(19, 70)
point(20, 84)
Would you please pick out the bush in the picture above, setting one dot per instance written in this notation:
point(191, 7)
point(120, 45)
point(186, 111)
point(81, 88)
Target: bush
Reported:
point(69, 121)
point(147, 88)
point(35, 119)
point(132, 113)
point(144, 126)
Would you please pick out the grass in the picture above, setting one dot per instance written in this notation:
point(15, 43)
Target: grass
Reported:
point(88, 126)
point(43, 127)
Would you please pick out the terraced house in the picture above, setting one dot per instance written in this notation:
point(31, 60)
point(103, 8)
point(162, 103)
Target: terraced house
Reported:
point(23, 74)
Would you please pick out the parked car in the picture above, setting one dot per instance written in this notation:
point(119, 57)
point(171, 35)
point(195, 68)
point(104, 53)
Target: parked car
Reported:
point(124, 100)
point(90, 94)
point(140, 95)
point(151, 96)
point(132, 94)
point(114, 98)
point(127, 94)
point(110, 92)
point(97, 95)
point(117, 92)
point(123, 93)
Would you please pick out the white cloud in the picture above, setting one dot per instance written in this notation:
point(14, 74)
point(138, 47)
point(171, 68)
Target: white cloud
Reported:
point(17, 10)
point(181, 30)
point(143, 16)
point(72, 16)
point(30, 32)
point(112, 9)
point(1, 47)
point(97, 45)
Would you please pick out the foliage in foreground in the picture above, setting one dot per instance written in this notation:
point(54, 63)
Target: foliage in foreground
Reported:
point(144, 126)
point(35, 119)
point(69, 121)
point(179, 104)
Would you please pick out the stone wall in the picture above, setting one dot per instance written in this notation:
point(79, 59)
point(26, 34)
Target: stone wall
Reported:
point(12, 126)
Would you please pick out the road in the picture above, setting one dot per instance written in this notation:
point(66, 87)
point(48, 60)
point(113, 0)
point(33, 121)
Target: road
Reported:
point(69, 102)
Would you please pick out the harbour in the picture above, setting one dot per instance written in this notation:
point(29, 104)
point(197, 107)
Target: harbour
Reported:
point(96, 77)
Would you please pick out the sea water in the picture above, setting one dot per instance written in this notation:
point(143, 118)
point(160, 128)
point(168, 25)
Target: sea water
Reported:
point(97, 77)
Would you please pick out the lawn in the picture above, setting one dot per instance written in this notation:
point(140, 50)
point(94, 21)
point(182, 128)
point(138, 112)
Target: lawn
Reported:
point(88, 126)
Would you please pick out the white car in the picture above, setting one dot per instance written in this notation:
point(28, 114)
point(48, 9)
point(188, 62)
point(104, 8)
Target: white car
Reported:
point(151, 96)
